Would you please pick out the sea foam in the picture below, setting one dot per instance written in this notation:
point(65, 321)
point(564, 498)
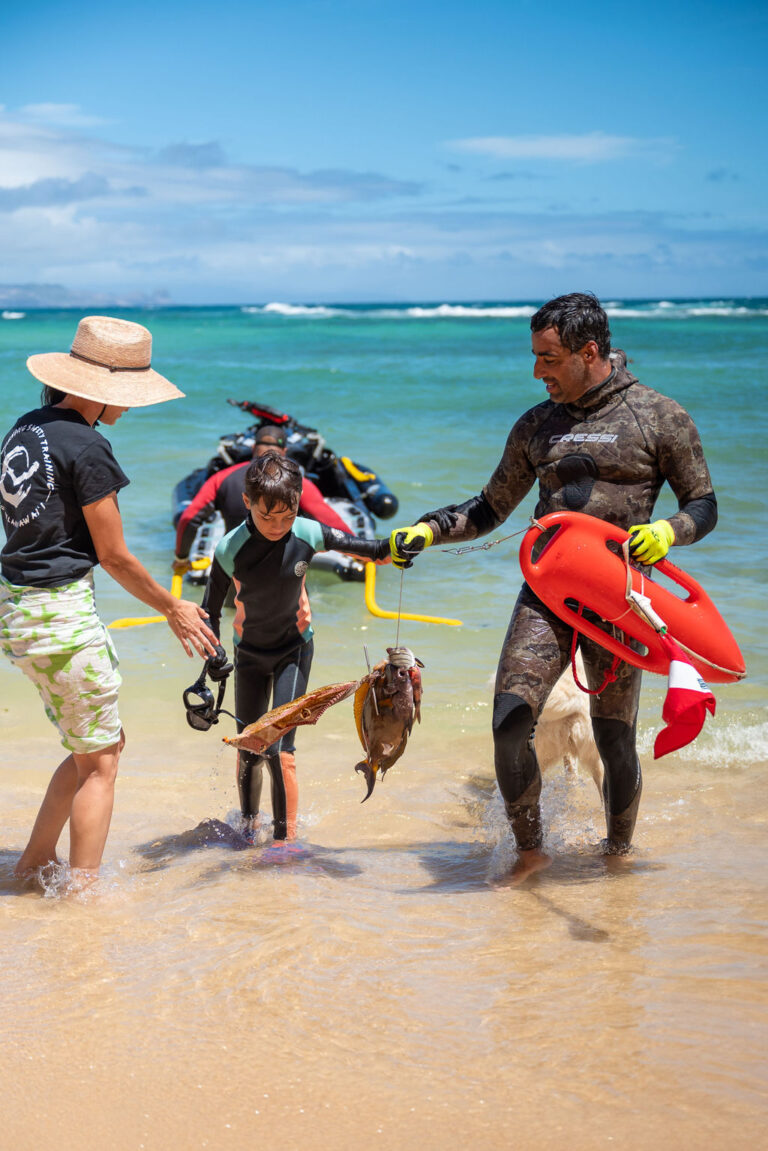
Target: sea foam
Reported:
point(618, 309)
point(278, 309)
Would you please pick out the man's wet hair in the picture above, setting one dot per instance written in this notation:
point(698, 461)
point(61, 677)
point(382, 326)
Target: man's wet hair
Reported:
point(577, 318)
point(275, 480)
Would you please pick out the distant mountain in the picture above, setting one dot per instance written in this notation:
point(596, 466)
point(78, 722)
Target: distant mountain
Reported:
point(57, 296)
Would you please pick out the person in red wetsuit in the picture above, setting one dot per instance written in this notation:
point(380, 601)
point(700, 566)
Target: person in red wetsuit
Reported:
point(223, 492)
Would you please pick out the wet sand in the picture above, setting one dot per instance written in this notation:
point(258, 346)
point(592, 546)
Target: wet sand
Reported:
point(390, 986)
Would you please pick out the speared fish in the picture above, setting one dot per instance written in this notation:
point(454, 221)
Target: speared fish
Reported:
point(306, 709)
point(387, 701)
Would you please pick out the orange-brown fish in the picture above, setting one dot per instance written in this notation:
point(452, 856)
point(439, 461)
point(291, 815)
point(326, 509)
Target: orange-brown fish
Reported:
point(386, 703)
point(306, 709)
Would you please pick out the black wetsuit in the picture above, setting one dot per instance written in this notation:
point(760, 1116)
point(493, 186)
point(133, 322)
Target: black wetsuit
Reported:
point(273, 640)
point(606, 455)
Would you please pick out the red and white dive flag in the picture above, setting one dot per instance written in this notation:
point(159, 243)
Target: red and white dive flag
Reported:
point(688, 700)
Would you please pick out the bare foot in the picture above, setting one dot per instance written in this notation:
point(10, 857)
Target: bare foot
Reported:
point(81, 878)
point(27, 867)
point(527, 864)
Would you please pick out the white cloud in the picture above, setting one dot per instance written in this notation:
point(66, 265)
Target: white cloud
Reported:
point(177, 177)
point(62, 115)
point(78, 210)
point(592, 148)
point(31, 151)
point(53, 192)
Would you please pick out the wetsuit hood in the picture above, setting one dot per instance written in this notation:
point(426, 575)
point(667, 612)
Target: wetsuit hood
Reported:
point(619, 379)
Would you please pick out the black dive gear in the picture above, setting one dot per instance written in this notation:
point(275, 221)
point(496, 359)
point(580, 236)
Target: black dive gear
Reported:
point(202, 712)
point(218, 666)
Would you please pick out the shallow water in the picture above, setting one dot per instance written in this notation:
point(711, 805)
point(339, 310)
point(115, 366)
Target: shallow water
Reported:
point(389, 984)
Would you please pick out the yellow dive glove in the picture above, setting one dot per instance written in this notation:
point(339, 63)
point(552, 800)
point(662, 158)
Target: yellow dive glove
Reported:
point(649, 543)
point(404, 543)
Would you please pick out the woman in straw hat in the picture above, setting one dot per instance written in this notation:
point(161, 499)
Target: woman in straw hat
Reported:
point(58, 492)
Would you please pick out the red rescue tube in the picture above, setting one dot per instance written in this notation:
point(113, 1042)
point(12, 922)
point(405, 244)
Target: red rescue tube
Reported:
point(577, 569)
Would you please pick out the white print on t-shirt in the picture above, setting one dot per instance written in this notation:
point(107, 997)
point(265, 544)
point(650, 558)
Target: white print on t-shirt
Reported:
point(19, 457)
point(17, 471)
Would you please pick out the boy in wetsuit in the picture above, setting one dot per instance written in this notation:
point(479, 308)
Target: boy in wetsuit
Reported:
point(266, 560)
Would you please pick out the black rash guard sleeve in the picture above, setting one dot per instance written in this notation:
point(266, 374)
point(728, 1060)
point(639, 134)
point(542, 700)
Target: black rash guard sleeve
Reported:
point(215, 593)
point(703, 512)
point(335, 540)
point(477, 511)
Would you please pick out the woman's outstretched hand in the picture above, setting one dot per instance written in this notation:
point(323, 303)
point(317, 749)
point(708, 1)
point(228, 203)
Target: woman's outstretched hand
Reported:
point(187, 621)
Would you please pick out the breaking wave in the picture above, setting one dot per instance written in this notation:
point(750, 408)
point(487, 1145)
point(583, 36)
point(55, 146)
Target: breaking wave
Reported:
point(736, 743)
point(277, 309)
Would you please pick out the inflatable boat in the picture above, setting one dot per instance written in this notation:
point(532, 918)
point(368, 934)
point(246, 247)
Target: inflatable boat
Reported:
point(355, 492)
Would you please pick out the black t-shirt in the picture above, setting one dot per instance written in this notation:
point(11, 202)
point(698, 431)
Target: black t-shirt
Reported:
point(52, 464)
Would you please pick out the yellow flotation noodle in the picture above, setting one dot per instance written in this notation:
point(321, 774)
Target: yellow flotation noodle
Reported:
point(374, 609)
point(176, 584)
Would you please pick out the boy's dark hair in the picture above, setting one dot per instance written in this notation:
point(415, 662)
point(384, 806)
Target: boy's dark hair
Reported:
point(577, 318)
point(274, 479)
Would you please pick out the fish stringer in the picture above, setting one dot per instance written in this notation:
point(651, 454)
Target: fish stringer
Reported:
point(399, 608)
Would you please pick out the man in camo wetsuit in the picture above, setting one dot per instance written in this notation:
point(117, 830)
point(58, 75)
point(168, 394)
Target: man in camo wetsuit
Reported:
point(602, 444)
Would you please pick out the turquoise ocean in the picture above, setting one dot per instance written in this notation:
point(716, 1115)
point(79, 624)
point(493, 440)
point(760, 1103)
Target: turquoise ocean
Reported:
point(425, 396)
point(392, 984)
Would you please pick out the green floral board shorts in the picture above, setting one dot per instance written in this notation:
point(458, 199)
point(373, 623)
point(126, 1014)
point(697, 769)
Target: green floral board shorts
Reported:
point(56, 638)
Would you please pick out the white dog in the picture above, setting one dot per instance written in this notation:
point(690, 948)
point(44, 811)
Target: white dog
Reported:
point(564, 729)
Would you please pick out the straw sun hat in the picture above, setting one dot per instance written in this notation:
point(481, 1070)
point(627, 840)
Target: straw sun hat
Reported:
point(109, 363)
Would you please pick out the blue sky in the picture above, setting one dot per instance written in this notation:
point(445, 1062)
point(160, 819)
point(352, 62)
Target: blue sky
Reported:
point(323, 150)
